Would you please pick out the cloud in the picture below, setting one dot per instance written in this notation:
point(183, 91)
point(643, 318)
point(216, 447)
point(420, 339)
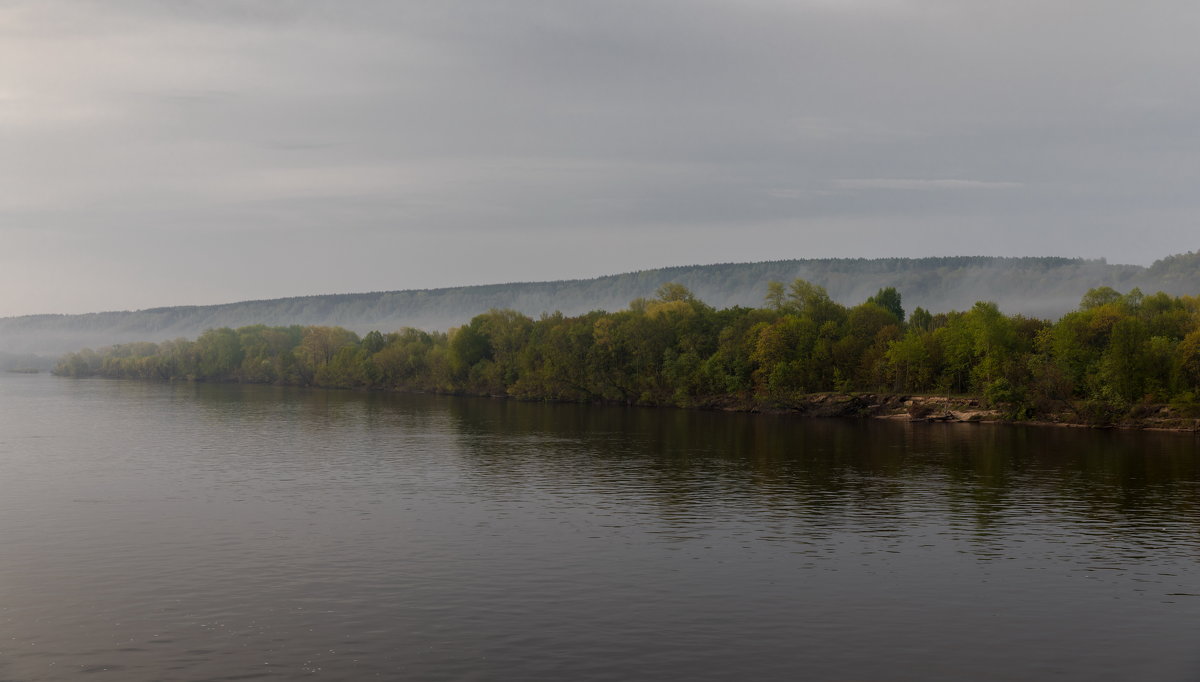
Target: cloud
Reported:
point(652, 123)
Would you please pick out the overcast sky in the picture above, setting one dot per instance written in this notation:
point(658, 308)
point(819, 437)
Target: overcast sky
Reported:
point(179, 152)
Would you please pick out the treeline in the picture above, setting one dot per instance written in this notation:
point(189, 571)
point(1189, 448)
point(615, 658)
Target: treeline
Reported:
point(1114, 354)
point(1041, 287)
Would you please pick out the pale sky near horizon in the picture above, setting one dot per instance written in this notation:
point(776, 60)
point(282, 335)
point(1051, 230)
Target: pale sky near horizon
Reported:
point(160, 153)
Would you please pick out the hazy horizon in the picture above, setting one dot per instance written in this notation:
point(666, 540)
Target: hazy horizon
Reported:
point(512, 282)
point(159, 153)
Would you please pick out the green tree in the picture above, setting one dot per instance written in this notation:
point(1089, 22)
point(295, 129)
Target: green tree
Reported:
point(317, 347)
point(1187, 363)
point(921, 319)
point(812, 301)
point(1099, 296)
point(889, 299)
point(1123, 366)
point(373, 342)
point(910, 363)
point(219, 352)
point(776, 295)
point(469, 346)
point(674, 291)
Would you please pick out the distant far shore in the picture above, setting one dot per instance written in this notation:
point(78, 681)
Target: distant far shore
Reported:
point(1130, 360)
point(1037, 287)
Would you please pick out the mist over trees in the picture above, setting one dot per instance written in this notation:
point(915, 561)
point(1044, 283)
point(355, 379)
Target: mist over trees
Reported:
point(1036, 287)
point(1098, 363)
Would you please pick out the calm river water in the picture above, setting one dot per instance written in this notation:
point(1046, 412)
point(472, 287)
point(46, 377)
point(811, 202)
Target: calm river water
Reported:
point(200, 532)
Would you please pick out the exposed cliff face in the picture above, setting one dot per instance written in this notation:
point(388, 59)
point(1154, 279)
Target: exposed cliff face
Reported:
point(1036, 287)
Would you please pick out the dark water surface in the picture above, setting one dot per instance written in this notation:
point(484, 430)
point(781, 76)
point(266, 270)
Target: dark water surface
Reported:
point(158, 532)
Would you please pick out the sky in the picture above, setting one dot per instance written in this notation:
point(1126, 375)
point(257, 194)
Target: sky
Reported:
point(206, 151)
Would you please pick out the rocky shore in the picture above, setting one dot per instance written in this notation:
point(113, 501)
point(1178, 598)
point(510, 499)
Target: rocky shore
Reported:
point(954, 409)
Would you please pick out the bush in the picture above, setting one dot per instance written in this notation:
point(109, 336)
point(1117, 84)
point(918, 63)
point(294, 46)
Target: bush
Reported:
point(1011, 401)
point(1104, 408)
point(1186, 405)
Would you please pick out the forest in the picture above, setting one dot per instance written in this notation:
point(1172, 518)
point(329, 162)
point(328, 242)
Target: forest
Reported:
point(1041, 287)
point(1112, 358)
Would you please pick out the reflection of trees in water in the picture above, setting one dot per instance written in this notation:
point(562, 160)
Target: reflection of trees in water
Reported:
point(808, 476)
point(312, 408)
point(805, 479)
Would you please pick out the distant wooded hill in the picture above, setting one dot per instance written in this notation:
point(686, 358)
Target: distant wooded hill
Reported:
point(1039, 287)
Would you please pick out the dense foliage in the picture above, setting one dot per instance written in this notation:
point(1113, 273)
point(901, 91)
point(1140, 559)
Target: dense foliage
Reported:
point(1111, 355)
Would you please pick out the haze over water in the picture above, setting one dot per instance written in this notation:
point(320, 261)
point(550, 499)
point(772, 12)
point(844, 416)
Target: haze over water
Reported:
point(208, 532)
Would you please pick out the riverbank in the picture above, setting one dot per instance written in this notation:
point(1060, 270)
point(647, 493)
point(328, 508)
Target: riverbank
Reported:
point(846, 405)
point(968, 410)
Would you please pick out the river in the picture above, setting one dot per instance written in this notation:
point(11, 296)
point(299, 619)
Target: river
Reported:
point(224, 532)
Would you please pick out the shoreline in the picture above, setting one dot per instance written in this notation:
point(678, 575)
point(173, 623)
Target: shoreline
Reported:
point(912, 408)
point(900, 407)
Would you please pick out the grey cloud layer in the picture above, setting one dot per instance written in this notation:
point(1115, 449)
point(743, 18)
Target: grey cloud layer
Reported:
point(333, 146)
